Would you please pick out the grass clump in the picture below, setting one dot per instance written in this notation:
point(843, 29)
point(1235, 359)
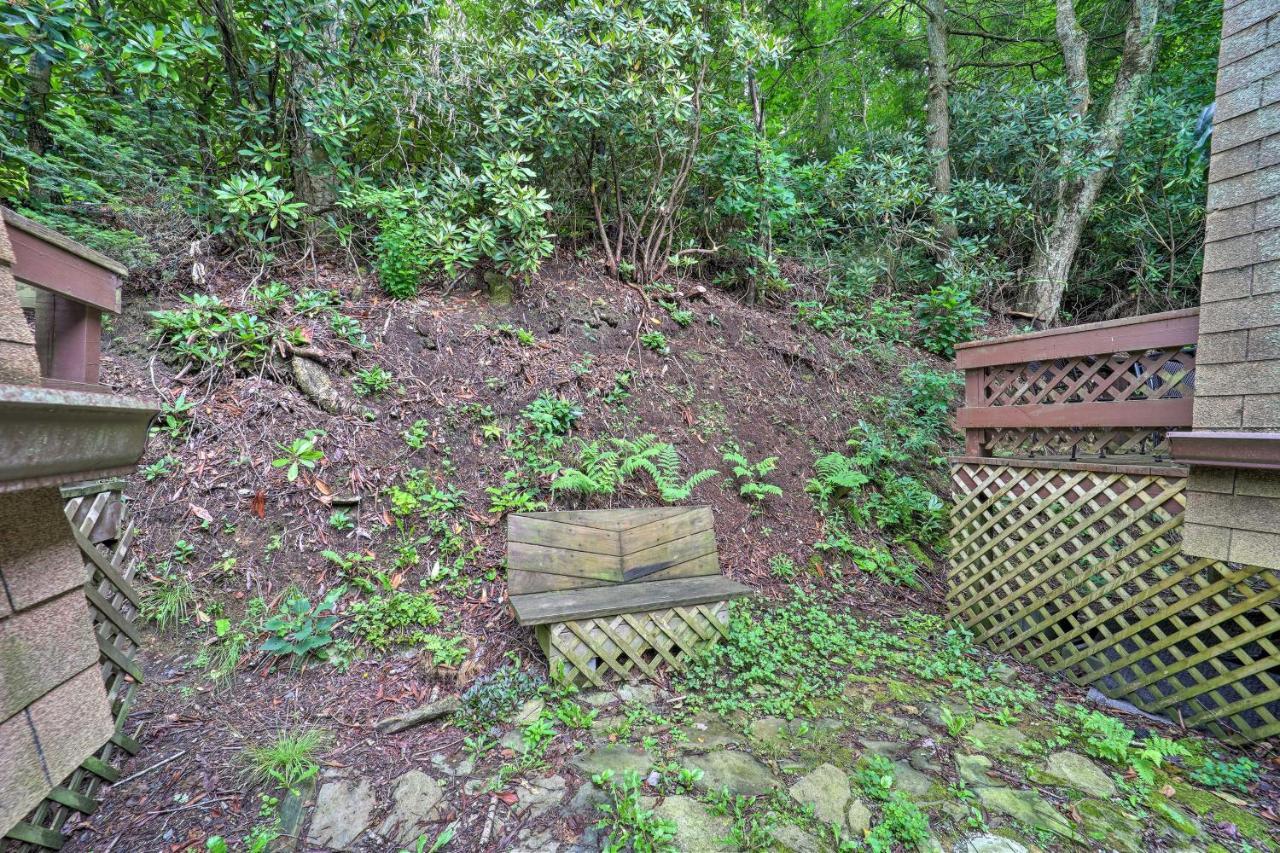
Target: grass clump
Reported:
point(287, 761)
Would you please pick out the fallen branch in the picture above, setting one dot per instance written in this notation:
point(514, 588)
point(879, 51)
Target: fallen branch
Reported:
point(419, 715)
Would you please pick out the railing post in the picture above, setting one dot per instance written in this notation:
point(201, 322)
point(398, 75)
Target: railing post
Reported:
point(974, 444)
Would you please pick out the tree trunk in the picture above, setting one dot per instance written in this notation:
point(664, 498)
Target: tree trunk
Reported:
point(939, 141)
point(1055, 251)
point(39, 85)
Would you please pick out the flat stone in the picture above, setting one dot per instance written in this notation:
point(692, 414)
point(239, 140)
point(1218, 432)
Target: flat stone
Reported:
point(514, 741)
point(1002, 740)
point(858, 819)
point(1029, 808)
point(341, 814)
point(644, 694)
point(541, 842)
point(769, 731)
point(914, 727)
point(793, 839)
point(540, 795)
point(922, 759)
point(973, 770)
point(826, 788)
point(599, 698)
point(988, 844)
point(737, 771)
point(616, 757)
point(910, 781)
point(696, 828)
point(1176, 817)
point(1106, 822)
point(417, 803)
point(708, 733)
point(1076, 771)
point(586, 799)
point(528, 712)
point(887, 748)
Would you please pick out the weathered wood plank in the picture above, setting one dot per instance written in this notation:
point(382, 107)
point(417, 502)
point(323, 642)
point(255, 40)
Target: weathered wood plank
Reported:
point(562, 534)
point(578, 564)
point(72, 800)
point(543, 608)
point(609, 519)
point(667, 554)
point(527, 583)
point(692, 520)
point(36, 835)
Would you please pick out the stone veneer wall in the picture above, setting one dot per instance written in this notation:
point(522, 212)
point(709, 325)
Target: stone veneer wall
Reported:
point(53, 707)
point(1235, 515)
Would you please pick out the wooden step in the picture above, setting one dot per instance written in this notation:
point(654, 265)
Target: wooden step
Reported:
point(544, 608)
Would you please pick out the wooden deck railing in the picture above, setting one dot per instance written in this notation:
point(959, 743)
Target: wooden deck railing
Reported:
point(1097, 390)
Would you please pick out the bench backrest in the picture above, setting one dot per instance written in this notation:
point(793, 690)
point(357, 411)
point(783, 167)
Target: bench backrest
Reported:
point(549, 551)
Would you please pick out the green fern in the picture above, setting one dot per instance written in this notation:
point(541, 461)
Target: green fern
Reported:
point(599, 472)
point(750, 475)
point(661, 462)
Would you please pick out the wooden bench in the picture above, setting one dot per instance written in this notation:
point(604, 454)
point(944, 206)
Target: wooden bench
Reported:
point(613, 594)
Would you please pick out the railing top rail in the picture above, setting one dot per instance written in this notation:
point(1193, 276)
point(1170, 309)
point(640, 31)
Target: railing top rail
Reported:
point(54, 262)
point(1148, 331)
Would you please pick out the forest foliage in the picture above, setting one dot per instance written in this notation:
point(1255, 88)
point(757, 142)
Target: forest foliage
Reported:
point(676, 138)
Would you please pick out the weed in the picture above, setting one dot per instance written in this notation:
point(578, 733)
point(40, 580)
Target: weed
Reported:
point(175, 420)
point(551, 417)
point(299, 628)
point(782, 566)
point(575, 716)
point(395, 619)
point(300, 453)
point(513, 495)
point(169, 600)
point(494, 697)
point(956, 723)
point(289, 760)
point(902, 824)
point(417, 433)
point(1238, 773)
point(874, 776)
point(340, 519)
point(620, 390)
point(656, 341)
point(371, 381)
point(629, 825)
point(682, 317)
point(159, 469)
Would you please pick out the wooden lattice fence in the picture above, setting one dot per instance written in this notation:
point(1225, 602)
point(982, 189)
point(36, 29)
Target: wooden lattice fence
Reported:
point(623, 646)
point(102, 526)
point(1078, 568)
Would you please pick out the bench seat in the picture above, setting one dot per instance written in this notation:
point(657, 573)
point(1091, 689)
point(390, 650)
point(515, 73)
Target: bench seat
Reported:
point(544, 608)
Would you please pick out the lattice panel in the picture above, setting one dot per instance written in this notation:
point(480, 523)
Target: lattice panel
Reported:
point(1076, 443)
point(1082, 573)
point(101, 523)
point(630, 645)
point(1112, 377)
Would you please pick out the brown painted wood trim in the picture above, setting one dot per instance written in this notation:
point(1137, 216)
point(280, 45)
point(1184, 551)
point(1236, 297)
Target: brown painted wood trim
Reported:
point(1112, 465)
point(1147, 413)
point(44, 258)
point(544, 608)
point(16, 221)
point(1151, 331)
point(1222, 449)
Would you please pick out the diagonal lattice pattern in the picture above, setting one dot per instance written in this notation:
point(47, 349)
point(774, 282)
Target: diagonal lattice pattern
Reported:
point(1074, 443)
point(102, 526)
point(1081, 572)
point(1159, 374)
point(630, 645)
